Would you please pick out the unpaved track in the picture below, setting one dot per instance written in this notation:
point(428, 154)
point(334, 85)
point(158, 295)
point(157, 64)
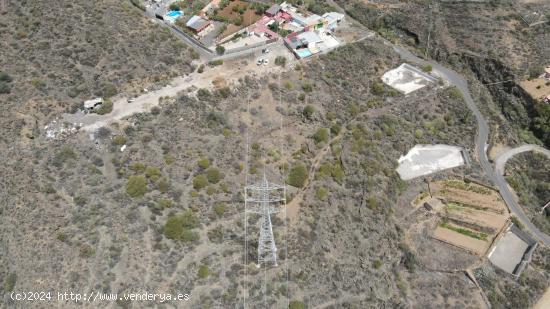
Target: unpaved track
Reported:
point(502, 158)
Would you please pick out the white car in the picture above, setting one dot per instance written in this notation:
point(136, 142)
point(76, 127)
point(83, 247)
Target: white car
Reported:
point(260, 61)
point(266, 62)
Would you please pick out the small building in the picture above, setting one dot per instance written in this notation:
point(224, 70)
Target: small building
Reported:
point(303, 44)
point(198, 24)
point(332, 19)
point(546, 73)
point(92, 104)
point(273, 10)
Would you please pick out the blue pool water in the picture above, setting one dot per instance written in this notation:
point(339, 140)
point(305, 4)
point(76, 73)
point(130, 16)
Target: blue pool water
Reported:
point(303, 53)
point(174, 13)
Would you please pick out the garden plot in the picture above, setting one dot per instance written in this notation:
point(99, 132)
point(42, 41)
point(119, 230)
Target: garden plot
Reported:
point(406, 78)
point(471, 215)
point(427, 159)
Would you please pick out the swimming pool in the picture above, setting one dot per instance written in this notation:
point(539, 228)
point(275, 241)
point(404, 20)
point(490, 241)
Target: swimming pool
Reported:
point(303, 53)
point(174, 14)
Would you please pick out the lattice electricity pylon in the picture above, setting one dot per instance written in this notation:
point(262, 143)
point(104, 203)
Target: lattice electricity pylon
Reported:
point(264, 195)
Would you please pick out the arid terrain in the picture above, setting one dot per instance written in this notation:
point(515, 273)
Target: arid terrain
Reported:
point(149, 197)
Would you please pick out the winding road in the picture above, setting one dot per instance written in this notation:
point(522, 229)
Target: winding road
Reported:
point(482, 137)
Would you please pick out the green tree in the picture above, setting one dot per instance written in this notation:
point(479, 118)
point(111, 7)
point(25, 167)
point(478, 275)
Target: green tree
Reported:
point(136, 186)
point(220, 50)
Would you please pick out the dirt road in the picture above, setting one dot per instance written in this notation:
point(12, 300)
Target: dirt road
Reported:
point(230, 72)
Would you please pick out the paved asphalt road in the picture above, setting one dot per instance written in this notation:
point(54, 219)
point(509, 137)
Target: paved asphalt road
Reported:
point(481, 139)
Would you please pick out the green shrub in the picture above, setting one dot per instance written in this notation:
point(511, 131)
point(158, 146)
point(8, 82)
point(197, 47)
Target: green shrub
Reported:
point(163, 185)
point(203, 94)
point(296, 304)
point(215, 63)
point(224, 92)
point(338, 173)
point(9, 282)
point(165, 203)
point(200, 181)
point(321, 136)
point(307, 87)
point(308, 111)
point(66, 153)
point(136, 186)
point(203, 163)
point(219, 209)
point(152, 173)
point(297, 176)
point(213, 175)
point(454, 93)
point(203, 271)
point(377, 264)
point(321, 193)
point(105, 108)
point(179, 227)
point(4, 77)
point(220, 50)
point(169, 159)
point(86, 251)
point(119, 140)
point(138, 167)
point(427, 68)
point(280, 61)
point(335, 129)
point(377, 88)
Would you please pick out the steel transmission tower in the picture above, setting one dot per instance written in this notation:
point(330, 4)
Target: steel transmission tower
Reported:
point(265, 196)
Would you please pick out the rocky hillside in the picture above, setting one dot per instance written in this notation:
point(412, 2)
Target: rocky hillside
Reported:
point(59, 53)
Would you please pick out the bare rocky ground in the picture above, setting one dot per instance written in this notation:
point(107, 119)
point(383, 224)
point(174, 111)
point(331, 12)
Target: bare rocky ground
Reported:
point(82, 216)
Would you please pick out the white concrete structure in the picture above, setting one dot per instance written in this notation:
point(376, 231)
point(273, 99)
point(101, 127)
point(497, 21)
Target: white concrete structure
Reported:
point(427, 159)
point(91, 104)
point(407, 78)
